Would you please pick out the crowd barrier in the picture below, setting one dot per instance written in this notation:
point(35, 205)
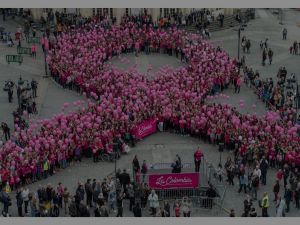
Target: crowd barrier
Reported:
point(200, 202)
point(22, 50)
point(168, 166)
point(14, 58)
point(33, 40)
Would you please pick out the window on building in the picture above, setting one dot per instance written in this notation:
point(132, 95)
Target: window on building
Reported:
point(46, 10)
point(172, 12)
point(96, 12)
point(160, 12)
point(111, 12)
point(77, 11)
point(99, 12)
point(127, 12)
point(105, 11)
point(65, 10)
point(166, 12)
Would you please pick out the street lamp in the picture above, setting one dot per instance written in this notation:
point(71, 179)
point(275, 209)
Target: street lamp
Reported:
point(241, 28)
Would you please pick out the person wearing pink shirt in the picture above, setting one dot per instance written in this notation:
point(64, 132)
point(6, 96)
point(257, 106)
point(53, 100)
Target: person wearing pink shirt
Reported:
point(238, 85)
point(46, 45)
point(43, 42)
point(33, 50)
point(137, 48)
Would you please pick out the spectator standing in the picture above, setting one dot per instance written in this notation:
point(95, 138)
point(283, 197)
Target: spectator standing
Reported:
point(288, 195)
point(25, 197)
point(264, 166)
point(265, 205)
point(34, 88)
point(276, 190)
point(120, 204)
point(89, 192)
point(6, 131)
point(124, 180)
point(144, 170)
point(19, 202)
point(135, 165)
point(270, 55)
point(33, 50)
point(66, 199)
point(280, 206)
point(186, 207)
point(284, 33)
point(197, 159)
point(153, 202)
point(137, 210)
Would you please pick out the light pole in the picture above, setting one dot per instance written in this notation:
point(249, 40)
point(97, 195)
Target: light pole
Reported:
point(241, 28)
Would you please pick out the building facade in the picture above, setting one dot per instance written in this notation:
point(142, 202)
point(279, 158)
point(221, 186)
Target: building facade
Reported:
point(156, 13)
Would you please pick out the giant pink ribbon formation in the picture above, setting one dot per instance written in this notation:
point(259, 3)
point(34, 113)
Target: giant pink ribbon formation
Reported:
point(126, 98)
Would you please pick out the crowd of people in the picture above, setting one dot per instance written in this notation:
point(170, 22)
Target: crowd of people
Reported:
point(99, 198)
point(294, 49)
point(120, 100)
point(175, 98)
point(26, 94)
point(278, 95)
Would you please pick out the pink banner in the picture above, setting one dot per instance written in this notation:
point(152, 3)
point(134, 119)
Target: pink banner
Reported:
point(174, 180)
point(145, 128)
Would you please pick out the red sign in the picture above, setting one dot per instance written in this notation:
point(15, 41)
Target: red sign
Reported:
point(145, 128)
point(174, 180)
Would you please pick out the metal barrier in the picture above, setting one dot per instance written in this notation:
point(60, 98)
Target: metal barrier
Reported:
point(22, 50)
point(169, 194)
point(31, 40)
point(200, 203)
point(163, 166)
point(14, 58)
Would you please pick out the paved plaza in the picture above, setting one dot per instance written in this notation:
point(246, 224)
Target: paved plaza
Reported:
point(161, 147)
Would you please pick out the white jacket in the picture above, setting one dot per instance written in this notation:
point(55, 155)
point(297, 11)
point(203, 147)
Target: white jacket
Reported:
point(153, 201)
point(280, 209)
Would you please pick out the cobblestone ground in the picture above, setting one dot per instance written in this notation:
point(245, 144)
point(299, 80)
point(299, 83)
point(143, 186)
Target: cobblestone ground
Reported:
point(51, 98)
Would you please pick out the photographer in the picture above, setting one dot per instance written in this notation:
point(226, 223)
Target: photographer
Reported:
point(34, 88)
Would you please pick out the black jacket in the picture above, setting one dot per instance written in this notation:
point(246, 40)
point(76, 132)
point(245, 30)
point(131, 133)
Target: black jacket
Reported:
point(137, 211)
point(88, 189)
point(264, 166)
point(124, 178)
point(19, 199)
point(276, 188)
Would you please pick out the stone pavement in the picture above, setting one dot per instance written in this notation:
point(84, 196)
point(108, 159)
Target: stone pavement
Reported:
point(162, 147)
point(50, 95)
point(266, 25)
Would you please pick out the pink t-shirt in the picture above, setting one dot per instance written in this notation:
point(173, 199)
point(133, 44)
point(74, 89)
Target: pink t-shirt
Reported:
point(33, 48)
